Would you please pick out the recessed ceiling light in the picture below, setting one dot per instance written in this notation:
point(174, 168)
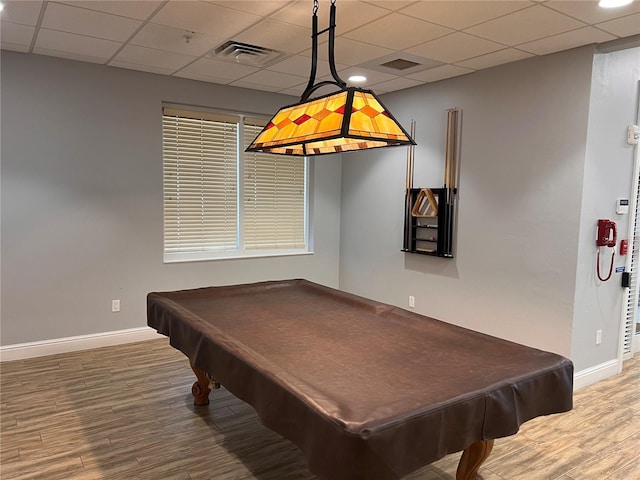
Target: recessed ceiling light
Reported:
point(1, 6)
point(357, 78)
point(613, 3)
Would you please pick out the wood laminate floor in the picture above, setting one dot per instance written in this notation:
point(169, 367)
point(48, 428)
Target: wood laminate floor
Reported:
point(126, 412)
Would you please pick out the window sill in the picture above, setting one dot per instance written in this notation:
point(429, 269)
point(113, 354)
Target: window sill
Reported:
point(206, 257)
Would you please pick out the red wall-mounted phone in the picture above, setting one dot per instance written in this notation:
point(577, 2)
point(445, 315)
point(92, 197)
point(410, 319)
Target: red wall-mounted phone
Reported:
point(607, 234)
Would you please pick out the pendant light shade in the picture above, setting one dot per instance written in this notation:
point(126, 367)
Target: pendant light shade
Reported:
point(352, 119)
point(347, 120)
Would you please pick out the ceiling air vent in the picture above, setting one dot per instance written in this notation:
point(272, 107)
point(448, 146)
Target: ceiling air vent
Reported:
point(400, 64)
point(247, 54)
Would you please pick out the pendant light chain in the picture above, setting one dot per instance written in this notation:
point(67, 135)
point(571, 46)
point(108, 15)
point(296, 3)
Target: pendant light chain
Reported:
point(350, 119)
point(330, 30)
point(316, 5)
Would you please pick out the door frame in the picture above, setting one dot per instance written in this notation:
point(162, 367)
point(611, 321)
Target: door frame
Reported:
point(630, 309)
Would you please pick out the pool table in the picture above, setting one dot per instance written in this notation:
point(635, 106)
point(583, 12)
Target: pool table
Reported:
point(367, 391)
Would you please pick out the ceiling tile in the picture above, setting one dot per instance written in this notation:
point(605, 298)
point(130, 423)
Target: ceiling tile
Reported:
point(349, 15)
point(565, 41)
point(87, 22)
point(202, 78)
point(136, 9)
point(14, 47)
point(16, 37)
point(399, 83)
point(257, 7)
point(397, 31)
point(390, 4)
point(255, 86)
point(622, 27)
point(141, 68)
point(276, 80)
point(301, 66)
point(455, 47)
point(153, 58)
point(462, 14)
point(278, 36)
point(172, 39)
point(76, 47)
point(204, 18)
point(589, 11)
point(494, 58)
point(525, 25)
point(294, 91)
point(440, 73)
point(350, 52)
point(23, 12)
point(208, 67)
point(297, 65)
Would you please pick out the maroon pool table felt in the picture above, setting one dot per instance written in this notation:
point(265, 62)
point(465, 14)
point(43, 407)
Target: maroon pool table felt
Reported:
point(366, 390)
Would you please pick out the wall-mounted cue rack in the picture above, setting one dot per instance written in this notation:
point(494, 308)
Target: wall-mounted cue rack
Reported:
point(430, 212)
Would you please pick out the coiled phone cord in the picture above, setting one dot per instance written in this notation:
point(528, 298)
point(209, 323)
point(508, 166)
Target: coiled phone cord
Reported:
point(613, 255)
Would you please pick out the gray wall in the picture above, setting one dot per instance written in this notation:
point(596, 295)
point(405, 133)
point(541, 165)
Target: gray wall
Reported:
point(82, 198)
point(608, 172)
point(522, 156)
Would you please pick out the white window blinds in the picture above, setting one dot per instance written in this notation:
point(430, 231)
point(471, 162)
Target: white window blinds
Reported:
point(206, 174)
point(200, 170)
point(274, 198)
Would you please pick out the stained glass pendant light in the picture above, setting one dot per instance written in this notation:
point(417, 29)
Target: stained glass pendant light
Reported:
point(350, 119)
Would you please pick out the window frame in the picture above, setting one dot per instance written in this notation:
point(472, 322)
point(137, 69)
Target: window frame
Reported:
point(240, 251)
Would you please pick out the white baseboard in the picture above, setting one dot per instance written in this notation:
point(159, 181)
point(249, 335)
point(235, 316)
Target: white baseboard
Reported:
point(21, 351)
point(594, 374)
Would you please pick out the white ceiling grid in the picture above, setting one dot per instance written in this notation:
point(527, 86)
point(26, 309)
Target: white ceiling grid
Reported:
point(453, 37)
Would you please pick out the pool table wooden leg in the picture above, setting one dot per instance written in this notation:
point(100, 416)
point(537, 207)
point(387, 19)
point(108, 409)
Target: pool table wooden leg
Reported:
point(202, 387)
point(472, 457)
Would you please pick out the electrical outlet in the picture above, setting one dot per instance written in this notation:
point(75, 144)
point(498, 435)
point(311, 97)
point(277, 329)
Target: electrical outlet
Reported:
point(598, 337)
point(115, 305)
point(412, 301)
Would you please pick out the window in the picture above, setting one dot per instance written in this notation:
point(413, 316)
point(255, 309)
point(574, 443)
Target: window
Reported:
point(220, 202)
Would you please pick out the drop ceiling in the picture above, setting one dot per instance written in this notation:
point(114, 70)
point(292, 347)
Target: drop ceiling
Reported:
point(179, 37)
